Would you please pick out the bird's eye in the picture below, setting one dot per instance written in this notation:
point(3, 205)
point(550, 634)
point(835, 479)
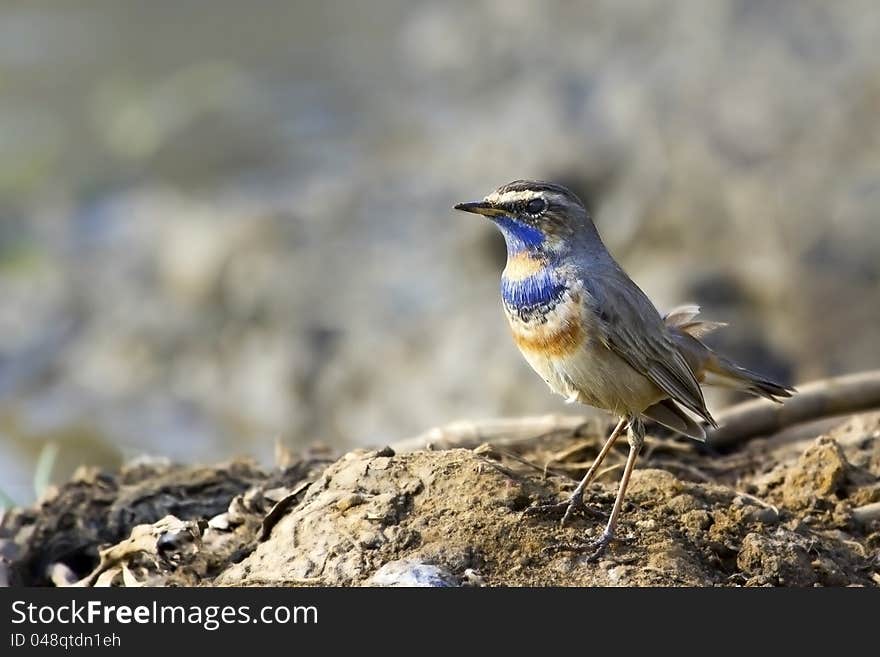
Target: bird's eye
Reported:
point(536, 206)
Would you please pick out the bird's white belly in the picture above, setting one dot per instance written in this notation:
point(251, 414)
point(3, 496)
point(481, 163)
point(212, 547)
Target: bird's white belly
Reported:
point(597, 376)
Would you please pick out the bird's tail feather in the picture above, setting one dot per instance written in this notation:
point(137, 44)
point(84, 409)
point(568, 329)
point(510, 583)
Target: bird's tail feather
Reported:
point(711, 368)
point(720, 371)
point(684, 318)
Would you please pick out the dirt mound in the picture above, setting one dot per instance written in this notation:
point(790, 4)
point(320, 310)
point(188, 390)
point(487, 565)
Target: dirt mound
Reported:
point(784, 511)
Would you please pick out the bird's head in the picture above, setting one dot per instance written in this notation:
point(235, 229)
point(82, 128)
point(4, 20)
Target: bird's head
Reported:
point(536, 216)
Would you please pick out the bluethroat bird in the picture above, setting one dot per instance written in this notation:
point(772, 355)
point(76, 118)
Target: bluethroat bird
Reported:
point(595, 337)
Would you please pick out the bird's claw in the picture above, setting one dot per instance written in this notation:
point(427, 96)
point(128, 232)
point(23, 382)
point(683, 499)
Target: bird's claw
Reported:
point(563, 510)
point(596, 548)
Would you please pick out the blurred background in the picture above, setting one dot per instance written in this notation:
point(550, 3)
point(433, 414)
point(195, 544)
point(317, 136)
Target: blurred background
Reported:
point(226, 223)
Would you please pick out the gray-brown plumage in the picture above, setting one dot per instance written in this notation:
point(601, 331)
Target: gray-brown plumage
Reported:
point(591, 333)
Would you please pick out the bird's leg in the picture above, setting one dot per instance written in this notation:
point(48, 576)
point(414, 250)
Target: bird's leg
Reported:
point(635, 437)
point(576, 499)
point(577, 496)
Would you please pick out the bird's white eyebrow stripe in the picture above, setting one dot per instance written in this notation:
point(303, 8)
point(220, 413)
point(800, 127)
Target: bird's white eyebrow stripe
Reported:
point(523, 195)
point(511, 197)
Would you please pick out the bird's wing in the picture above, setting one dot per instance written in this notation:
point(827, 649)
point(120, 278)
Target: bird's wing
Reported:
point(629, 325)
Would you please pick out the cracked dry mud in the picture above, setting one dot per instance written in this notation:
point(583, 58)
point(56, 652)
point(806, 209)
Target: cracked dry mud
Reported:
point(791, 510)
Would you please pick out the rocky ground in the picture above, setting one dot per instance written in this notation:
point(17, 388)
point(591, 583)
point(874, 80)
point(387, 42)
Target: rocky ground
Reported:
point(801, 508)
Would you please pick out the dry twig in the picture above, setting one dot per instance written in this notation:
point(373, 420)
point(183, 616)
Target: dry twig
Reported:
point(499, 431)
point(840, 395)
point(867, 513)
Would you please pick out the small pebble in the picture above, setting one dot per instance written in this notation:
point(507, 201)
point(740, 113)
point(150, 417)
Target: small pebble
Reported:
point(349, 501)
point(473, 578)
point(219, 522)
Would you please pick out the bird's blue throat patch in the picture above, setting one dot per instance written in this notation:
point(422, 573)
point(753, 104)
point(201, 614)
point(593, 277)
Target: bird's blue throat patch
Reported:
point(539, 289)
point(529, 281)
point(519, 236)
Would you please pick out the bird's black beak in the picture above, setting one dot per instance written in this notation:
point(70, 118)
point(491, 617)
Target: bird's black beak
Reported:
point(481, 207)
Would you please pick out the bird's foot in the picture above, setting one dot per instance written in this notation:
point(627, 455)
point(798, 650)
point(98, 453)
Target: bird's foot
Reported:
point(564, 510)
point(596, 547)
